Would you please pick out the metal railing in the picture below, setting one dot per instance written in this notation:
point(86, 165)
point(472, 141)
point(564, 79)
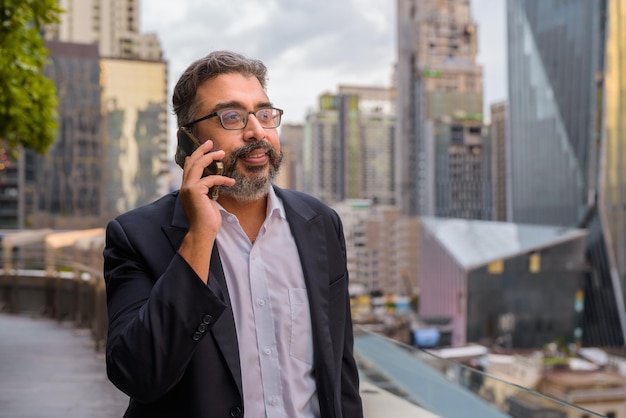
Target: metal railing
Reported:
point(64, 282)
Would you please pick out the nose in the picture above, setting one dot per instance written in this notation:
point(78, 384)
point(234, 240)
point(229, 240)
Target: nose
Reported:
point(253, 130)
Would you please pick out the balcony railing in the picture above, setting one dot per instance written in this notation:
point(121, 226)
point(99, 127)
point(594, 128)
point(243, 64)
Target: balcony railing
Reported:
point(448, 389)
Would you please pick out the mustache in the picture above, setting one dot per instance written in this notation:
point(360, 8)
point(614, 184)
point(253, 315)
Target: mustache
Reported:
point(248, 148)
point(230, 163)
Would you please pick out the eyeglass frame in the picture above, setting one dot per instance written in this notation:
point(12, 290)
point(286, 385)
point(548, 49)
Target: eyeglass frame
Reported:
point(248, 113)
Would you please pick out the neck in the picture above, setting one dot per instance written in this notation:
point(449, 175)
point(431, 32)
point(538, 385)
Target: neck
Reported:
point(251, 215)
point(237, 207)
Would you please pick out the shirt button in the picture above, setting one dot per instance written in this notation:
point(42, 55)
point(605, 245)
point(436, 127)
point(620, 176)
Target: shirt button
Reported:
point(273, 401)
point(267, 351)
point(260, 302)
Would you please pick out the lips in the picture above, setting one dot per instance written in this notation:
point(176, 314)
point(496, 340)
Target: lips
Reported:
point(257, 156)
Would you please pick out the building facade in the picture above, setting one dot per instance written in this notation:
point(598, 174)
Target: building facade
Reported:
point(498, 141)
point(566, 135)
point(66, 188)
point(111, 24)
point(437, 76)
point(501, 283)
point(291, 143)
point(348, 146)
point(381, 244)
point(134, 98)
point(461, 176)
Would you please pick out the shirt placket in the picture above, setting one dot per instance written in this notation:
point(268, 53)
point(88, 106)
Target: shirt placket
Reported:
point(266, 336)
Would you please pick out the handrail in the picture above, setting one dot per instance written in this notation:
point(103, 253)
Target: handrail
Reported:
point(73, 292)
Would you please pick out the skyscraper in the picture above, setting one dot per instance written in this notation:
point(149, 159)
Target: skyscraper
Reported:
point(347, 150)
point(566, 125)
point(65, 187)
point(112, 24)
point(437, 76)
point(134, 97)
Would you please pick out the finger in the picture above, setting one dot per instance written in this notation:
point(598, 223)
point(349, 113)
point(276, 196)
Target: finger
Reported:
point(204, 148)
point(201, 158)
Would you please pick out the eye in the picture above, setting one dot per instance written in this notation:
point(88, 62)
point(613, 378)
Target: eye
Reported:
point(264, 115)
point(231, 117)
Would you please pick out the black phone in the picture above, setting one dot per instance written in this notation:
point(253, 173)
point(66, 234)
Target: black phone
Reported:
point(188, 142)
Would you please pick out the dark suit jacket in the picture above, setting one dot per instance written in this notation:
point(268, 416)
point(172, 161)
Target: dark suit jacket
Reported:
point(172, 345)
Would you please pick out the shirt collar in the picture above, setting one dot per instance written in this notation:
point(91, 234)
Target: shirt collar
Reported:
point(274, 205)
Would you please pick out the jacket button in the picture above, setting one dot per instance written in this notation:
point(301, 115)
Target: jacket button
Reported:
point(196, 336)
point(235, 412)
point(202, 328)
point(207, 319)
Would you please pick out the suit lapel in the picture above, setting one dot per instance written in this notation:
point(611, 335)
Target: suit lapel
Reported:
point(223, 331)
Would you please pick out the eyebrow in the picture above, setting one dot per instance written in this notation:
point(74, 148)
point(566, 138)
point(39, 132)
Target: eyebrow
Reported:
point(238, 105)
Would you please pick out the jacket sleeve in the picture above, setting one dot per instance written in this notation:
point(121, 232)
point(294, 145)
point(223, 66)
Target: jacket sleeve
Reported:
point(156, 319)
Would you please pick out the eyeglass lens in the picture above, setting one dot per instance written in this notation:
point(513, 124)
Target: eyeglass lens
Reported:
point(238, 119)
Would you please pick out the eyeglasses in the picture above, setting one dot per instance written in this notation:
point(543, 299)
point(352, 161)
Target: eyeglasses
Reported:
point(233, 119)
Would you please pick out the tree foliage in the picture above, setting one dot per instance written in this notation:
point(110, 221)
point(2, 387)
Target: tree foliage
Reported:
point(28, 98)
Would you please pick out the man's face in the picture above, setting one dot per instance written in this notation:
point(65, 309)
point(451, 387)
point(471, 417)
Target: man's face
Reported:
point(253, 153)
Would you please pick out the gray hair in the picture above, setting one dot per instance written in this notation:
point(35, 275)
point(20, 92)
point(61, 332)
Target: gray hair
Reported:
point(214, 64)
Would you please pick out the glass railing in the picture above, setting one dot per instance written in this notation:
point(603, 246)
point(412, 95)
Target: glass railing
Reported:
point(437, 387)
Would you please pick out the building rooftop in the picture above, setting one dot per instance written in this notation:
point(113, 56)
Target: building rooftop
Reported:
point(475, 243)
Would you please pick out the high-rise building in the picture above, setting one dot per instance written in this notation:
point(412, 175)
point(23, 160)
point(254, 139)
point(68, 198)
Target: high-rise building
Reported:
point(327, 137)
point(437, 76)
point(111, 24)
point(348, 146)
point(134, 97)
point(65, 188)
point(567, 132)
point(377, 130)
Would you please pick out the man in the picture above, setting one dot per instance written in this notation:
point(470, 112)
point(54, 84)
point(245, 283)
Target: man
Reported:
point(235, 307)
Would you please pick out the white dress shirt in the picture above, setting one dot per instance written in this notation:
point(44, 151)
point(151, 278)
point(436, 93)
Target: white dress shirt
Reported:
point(272, 317)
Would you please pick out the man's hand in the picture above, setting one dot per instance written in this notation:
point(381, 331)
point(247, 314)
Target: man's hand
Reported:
point(202, 212)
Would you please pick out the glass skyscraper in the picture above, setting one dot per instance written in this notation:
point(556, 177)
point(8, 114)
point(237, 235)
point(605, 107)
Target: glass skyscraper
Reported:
point(566, 139)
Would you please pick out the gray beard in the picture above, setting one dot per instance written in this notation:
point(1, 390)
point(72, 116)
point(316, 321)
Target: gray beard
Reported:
point(255, 185)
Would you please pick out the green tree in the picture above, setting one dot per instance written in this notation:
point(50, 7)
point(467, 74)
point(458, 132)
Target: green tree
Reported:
point(28, 98)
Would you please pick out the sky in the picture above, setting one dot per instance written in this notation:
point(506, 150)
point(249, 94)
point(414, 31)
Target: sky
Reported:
point(310, 47)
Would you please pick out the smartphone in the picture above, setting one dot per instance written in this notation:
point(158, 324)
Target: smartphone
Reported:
point(188, 142)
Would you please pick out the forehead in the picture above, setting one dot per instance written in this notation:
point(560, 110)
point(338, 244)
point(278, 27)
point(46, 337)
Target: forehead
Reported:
point(235, 88)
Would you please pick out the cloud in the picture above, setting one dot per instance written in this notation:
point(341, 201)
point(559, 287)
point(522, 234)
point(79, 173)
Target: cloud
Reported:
point(305, 44)
point(310, 47)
